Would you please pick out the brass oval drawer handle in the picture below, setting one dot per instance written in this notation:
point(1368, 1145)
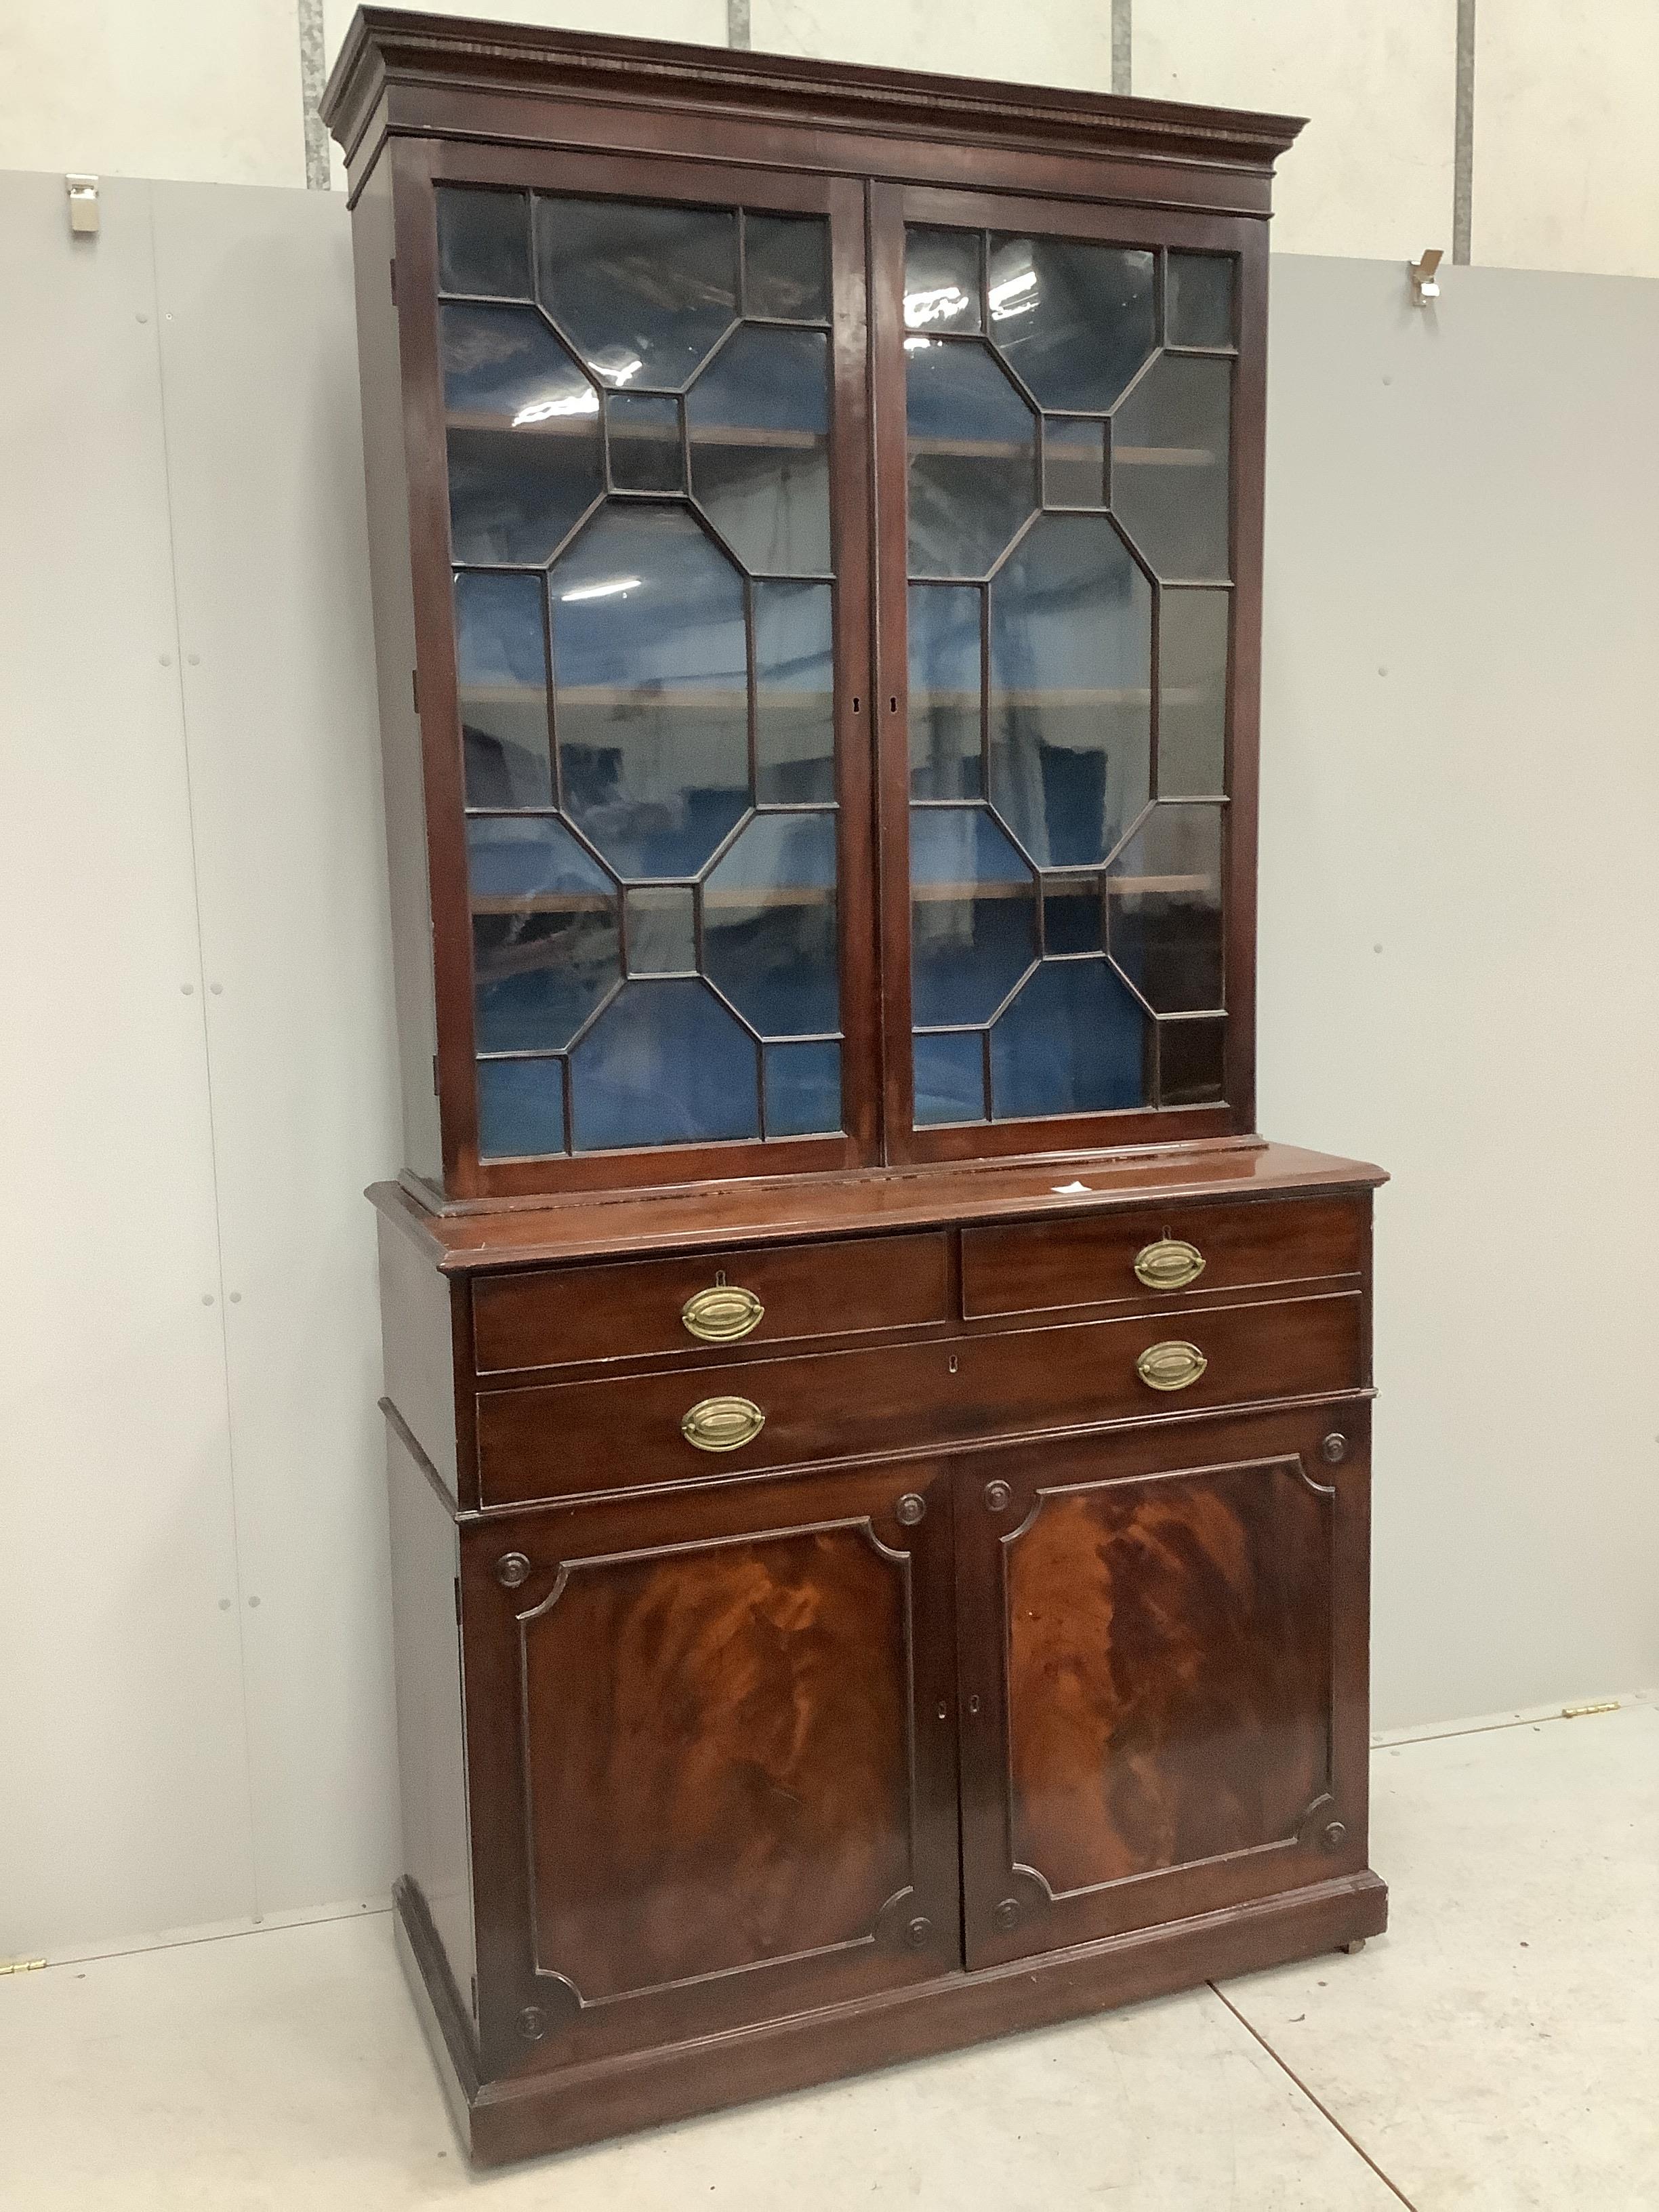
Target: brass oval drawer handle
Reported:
point(723, 1424)
point(721, 1313)
point(1171, 1366)
point(1169, 1265)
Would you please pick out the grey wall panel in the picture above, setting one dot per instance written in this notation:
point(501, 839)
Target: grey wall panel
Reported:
point(265, 468)
point(121, 1736)
point(1460, 936)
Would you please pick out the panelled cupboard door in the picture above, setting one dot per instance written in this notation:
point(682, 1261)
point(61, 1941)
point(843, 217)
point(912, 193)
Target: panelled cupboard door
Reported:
point(712, 1746)
point(642, 628)
point(1069, 433)
point(1163, 1674)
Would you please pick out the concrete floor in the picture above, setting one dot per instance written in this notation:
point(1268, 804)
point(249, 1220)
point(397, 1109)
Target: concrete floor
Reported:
point(1499, 2050)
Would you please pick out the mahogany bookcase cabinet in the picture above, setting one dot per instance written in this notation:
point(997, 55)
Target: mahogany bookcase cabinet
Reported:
point(880, 1447)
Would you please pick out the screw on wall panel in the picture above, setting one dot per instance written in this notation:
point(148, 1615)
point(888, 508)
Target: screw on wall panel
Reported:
point(254, 1602)
point(217, 989)
point(236, 1297)
point(207, 1297)
point(188, 990)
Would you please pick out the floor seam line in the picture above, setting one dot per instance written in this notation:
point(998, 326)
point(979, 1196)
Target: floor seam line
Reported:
point(1491, 1728)
point(1322, 2109)
point(269, 1927)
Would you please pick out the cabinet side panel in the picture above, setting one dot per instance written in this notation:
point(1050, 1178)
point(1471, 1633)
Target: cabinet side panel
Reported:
point(431, 1745)
point(417, 1338)
point(385, 478)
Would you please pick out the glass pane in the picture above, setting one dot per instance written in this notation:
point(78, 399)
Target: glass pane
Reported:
point(941, 280)
point(972, 457)
point(1192, 1062)
point(1071, 690)
point(1198, 309)
point(1169, 453)
point(1073, 462)
point(651, 709)
point(524, 435)
point(759, 423)
point(664, 1064)
point(662, 930)
point(642, 293)
point(501, 651)
point(788, 272)
point(1073, 1041)
point(484, 243)
point(1191, 694)
point(803, 1089)
point(973, 915)
point(947, 740)
point(794, 695)
point(1074, 916)
point(545, 946)
point(1164, 910)
point(1073, 321)
point(769, 924)
point(644, 433)
point(520, 1108)
point(950, 1077)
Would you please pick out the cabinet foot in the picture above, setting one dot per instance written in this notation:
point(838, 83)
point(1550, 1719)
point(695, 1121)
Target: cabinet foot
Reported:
point(1353, 1948)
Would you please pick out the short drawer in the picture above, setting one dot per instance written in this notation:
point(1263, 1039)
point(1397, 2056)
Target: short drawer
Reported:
point(561, 1439)
point(554, 1317)
point(1041, 1266)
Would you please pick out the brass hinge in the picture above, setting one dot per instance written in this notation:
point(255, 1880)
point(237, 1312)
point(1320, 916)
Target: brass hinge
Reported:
point(1580, 1712)
point(22, 1967)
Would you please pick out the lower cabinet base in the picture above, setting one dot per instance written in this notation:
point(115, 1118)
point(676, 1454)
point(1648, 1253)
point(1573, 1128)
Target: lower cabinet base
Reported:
point(553, 2111)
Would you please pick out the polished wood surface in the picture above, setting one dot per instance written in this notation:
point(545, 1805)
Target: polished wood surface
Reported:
point(709, 1779)
point(467, 1240)
point(1045, 1267)
point(1160, 1631)
point(557, 1439)
point(983, 1683)
point(557, 1317)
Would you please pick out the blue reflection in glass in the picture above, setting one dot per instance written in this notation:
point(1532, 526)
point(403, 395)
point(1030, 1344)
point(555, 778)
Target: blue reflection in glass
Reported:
point(758, 422)
point(794, 695)
point(520, 1108)
point(525, 458)
point(545, 946)
point(973, 915)
point(1073, 1041)
point(1071, 690)
point(641, 292)
point(1075, 318)
point(787, 259)
point(664, 1064)
point(950, 1077)
point(803, 1089)
point(946, 739)
point(501, 651)
point(769, 924)
point(652, 707)
point(972, 457)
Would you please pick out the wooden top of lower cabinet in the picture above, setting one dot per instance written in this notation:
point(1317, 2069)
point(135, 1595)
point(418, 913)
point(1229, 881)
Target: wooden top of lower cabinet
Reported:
point(466, 1240)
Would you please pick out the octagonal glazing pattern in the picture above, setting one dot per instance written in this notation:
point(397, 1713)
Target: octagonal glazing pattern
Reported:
point(1070, 672)
point(522, 422)
point(1071, 656)
point(645, 623)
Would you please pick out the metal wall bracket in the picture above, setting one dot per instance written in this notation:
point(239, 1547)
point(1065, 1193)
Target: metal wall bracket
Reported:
point(1422, 273)
point(82, 205)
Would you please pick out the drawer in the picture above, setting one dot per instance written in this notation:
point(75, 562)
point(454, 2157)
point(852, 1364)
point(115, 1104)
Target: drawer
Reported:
point(1039, 1267)
point(561, 1439)
point(552, 1316)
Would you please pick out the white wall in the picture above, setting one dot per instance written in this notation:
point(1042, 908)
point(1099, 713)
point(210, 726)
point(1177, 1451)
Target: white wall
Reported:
point(1458, 769)
point(194, 1000)
point(1564, 150)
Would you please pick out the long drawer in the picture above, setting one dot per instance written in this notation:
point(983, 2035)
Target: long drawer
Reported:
point(1036, 1266)
point(557, 1440)
point(554, 1316)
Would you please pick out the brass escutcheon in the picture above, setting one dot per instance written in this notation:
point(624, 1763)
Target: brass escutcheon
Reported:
point(723, 1424)
point(721, 1313)
point(1169, 1265)
point(1171, 1366)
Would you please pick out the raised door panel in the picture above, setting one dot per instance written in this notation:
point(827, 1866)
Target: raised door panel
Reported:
point(712, 1779)
point(1163, 1676)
